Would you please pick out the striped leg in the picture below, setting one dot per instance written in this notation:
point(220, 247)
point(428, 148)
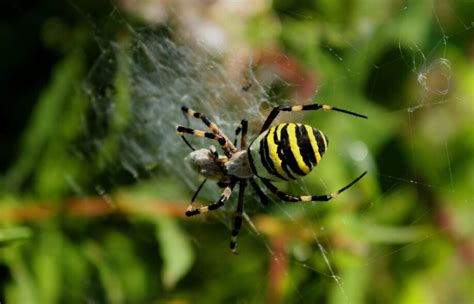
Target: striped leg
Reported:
point(221, 140)
point(212, 126)
point(190, 206)
point(237, 132)
point(242, 127)
point(238, 217)
point(243, 141)
point(308, 198)
point(222, 200)
point(315, 106)
point(214, 154)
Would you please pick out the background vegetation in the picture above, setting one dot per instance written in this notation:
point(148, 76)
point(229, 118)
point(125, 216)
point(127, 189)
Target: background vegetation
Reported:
point(83, 229)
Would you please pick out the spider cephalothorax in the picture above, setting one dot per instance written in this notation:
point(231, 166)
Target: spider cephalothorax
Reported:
point(286, 151)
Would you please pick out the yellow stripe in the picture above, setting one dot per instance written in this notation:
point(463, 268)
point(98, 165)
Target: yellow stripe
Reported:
point(314, 144)
point(199, 133)
point(278, 130)
point(324, 140)
point(214, 129)
point(272, 149)
point(291, 130)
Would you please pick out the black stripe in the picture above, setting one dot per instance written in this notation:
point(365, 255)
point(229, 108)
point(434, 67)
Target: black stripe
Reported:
point(281, 195)
point(281, 153)
point(193, 212)
point(237, 225)
point(327, 140)
point(252, 166)
point(314, 106)
point(306, 150)
point(184, 129)
point(289, 156)
point(320, 142)
point(206, 121)
point(265, 158)
point(199, 115)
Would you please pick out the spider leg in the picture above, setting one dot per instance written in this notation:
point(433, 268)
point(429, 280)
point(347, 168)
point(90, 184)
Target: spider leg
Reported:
point(237, 132)
point(214, 154)
point(221, 140)
point(238, 217)
point(212, 126)
point(190, 206)
point(222, 200)
point(315, 106)
point(307, 198)
point(242, 127)
point(243, 140)
point(260, 193)
point(187, 142)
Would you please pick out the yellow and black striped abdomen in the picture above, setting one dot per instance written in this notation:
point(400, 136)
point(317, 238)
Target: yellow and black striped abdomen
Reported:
point(287, 151)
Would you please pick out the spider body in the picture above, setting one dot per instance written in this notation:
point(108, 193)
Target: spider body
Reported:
point(284, 152)
point(204, 163)
point(287, 151)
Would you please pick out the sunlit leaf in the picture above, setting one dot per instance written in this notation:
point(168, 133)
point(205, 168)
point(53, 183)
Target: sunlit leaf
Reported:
point(12, 235)
point(175, 250)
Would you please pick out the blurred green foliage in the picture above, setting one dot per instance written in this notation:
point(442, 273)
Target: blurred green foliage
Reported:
point(401, 235)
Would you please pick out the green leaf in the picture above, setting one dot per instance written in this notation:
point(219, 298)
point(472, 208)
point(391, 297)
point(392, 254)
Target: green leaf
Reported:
point(111, 282)
point(14, 234)
point(45, 118)
point(21, 289)
point(175, 250)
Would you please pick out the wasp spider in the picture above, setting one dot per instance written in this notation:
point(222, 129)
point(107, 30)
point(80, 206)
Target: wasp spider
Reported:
point(284, 152)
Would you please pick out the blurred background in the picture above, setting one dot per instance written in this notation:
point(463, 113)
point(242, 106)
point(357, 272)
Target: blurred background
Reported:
point(93, 185)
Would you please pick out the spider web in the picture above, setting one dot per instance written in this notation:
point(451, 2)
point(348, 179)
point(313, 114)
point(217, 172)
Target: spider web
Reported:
point(166, 69)
point(432, 75)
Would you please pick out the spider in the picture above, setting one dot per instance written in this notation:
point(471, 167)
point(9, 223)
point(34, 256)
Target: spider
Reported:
point(287, 151)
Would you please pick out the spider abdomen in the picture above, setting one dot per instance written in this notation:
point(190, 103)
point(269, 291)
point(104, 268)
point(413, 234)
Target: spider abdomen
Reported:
point(287, 151)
